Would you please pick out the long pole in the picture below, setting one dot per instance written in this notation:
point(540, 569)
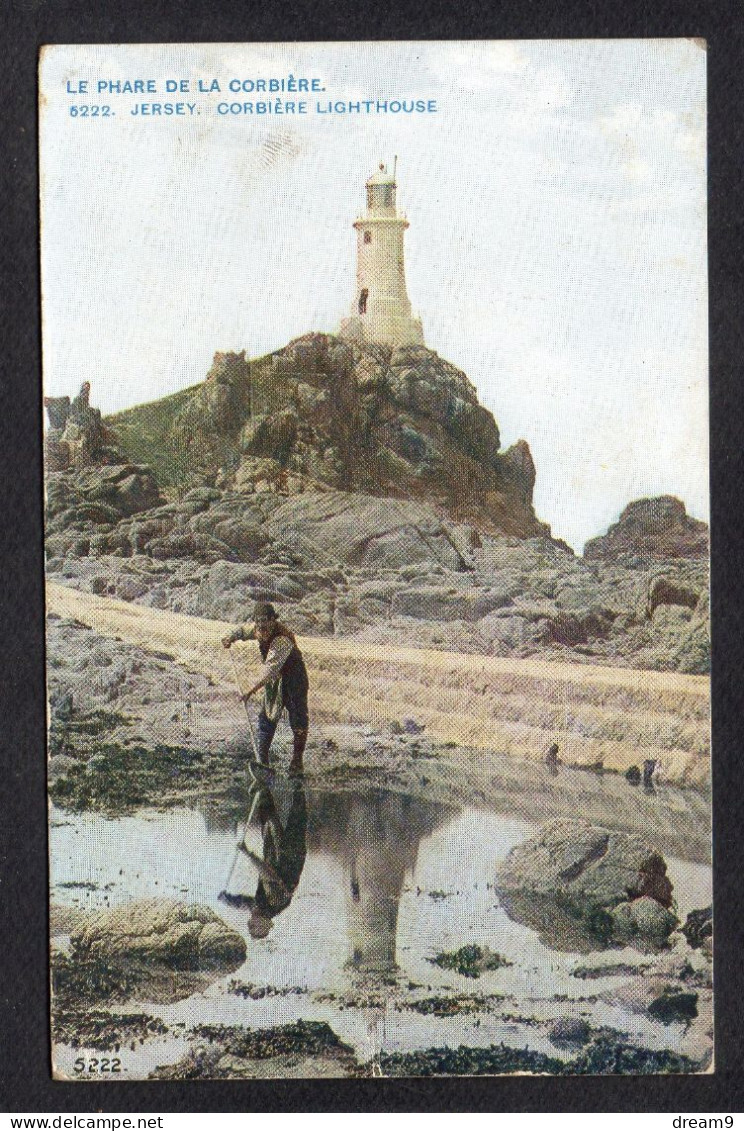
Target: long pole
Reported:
point(255, 794)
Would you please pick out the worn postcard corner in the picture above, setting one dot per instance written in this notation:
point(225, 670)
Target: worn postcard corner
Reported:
point(375, 433)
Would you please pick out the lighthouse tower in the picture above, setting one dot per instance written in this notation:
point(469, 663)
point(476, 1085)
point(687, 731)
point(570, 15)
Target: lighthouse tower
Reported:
point(381, 311)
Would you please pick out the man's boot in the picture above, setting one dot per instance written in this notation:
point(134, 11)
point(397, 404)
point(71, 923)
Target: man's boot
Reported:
point(295, 766)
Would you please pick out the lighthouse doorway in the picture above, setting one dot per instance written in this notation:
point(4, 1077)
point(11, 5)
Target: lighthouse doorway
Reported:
point(363, 301)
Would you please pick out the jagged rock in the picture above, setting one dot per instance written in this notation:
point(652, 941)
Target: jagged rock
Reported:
point(698, 927)
point(518, 468)
point(58, 410)
point(161, 931)
point(270, 436)
point(100, 495)
point(77, 436)
point(219, 398)
point(649, 529)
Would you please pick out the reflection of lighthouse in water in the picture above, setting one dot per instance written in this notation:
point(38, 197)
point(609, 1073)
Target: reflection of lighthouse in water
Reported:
point(376, 870)
point(382, 839)
point(381, 311)
point(376, 837)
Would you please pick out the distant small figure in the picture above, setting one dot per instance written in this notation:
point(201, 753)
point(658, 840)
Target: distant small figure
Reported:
point(649, 766)
point(633, 775)
point(552, 761)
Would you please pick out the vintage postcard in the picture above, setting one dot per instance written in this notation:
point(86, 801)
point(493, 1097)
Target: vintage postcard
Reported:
point(375, 386)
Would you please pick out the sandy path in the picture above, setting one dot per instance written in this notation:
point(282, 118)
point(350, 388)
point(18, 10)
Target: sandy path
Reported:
point(515, 707)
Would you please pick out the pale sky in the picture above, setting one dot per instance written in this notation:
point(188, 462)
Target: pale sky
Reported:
point(556, 253)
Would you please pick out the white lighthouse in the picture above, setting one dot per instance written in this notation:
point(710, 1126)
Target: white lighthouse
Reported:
point(381, 311)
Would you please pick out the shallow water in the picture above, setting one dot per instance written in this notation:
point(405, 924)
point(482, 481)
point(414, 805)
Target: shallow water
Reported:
point(387, 883)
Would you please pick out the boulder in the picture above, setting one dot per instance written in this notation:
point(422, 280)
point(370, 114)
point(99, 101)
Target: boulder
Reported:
point(578, 628)
point(644, 917)
point(670, 591)
point(611, 883)
point(513, 633)
point(131, 588)
point(698, 927)
point(674, 1004)
point(587, 863)
point(163, 932)
point(570, 1032)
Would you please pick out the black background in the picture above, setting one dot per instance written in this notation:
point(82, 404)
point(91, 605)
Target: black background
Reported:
point(25, 1079)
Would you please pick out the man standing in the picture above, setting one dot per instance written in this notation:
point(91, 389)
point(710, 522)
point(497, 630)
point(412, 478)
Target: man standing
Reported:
point(283, 679)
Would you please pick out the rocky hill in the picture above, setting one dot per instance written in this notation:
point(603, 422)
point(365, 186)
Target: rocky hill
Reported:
point(364, 492)
point(322, 414)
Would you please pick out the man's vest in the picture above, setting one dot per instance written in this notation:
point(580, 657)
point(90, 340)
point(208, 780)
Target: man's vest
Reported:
point(294, 672)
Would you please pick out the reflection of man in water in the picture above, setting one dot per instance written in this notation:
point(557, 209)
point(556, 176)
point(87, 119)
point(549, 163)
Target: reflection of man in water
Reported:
point(280, 868)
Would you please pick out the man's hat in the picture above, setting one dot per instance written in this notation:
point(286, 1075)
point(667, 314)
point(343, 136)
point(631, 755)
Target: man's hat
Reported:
point(264, 612)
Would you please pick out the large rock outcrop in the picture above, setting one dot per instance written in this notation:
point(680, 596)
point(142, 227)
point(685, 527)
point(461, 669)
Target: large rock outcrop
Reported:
point(322, 413)
point(651, 530)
